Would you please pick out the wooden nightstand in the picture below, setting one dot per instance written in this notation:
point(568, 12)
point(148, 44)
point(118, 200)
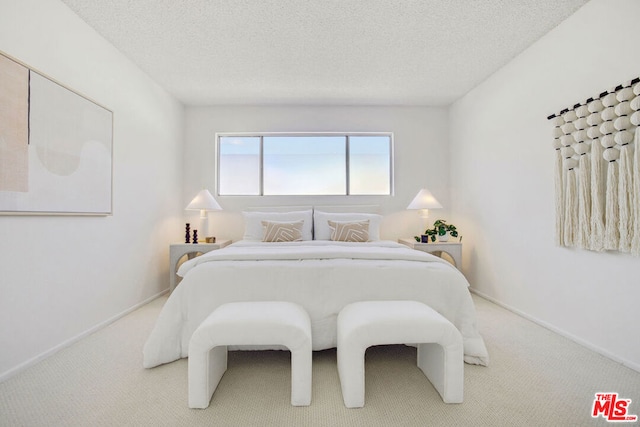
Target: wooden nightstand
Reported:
point(453, 249)
point(178, 250)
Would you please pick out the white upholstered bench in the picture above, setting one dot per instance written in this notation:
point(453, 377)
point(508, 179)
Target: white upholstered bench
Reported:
point(249, 323)
point(364, 324)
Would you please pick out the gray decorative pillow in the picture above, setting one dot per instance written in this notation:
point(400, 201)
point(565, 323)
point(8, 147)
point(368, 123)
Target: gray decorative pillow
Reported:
point(282, 231)
point(349, 231)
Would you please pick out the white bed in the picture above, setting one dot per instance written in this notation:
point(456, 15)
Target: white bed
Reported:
point(322, 276)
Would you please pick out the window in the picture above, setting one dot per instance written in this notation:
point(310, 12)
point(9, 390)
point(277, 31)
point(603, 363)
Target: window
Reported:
point(305, 164)
point(240, 165)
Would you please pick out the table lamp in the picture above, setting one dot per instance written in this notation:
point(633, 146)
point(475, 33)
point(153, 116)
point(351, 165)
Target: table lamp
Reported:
point(424, 201)
point(204, 202)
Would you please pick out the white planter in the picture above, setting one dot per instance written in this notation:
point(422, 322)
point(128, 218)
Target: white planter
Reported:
point(444, 238)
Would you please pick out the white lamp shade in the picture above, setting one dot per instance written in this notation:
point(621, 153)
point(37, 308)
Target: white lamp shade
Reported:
point(424, 200)
point(204, 201)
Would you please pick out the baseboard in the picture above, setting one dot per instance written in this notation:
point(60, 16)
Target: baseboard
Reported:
point(31, 362)
point(590, 346)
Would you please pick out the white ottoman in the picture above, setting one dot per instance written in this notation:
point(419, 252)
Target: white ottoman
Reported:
point(363, 324)
point(249, 323)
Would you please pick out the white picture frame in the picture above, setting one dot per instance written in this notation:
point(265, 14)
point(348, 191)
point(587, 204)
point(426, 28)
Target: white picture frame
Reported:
point(56, 147)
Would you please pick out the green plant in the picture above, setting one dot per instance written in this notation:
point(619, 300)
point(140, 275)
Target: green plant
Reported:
point(441, 228)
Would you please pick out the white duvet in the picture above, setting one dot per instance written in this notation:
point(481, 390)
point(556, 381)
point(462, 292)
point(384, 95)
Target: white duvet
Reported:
point(323, 277)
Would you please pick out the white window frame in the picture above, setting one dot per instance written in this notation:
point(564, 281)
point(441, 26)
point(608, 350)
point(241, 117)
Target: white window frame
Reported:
point(219, 135)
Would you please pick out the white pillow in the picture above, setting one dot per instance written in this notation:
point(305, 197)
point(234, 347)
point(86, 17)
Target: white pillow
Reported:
point(253, 222)
point(322, 231)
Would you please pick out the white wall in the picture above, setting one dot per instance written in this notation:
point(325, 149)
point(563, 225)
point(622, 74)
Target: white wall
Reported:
point(421, 157)
point(60, 277)
point(503, 191)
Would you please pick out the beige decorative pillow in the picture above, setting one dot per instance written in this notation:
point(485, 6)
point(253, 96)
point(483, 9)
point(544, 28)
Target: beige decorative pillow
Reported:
point(321, 230)
point(254, 231)
point(281, 231)
point(349, 231)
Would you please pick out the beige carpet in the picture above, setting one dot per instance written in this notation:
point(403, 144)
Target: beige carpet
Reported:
point(536, 378)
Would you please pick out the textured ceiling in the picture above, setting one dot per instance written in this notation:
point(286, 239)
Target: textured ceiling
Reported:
point(401, 52)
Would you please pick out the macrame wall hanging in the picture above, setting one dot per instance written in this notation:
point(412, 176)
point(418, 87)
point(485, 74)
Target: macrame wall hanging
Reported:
point(597, 171)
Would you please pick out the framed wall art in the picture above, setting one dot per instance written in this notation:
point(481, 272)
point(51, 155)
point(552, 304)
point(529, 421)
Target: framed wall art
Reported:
point(56, 146)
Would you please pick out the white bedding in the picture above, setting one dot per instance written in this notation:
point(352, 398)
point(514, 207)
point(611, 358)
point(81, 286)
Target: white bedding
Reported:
point(323, 277)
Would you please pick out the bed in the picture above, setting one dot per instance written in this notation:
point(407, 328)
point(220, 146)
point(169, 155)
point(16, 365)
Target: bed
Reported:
point(321, 274)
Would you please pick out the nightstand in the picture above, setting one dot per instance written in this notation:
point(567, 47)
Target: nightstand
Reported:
point(453, 249)
point(178, 250)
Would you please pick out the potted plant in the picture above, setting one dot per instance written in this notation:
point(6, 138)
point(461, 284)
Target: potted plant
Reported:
point(442, 230)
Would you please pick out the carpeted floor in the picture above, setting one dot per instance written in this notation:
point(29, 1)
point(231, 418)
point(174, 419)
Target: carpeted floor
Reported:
point(536, 378)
